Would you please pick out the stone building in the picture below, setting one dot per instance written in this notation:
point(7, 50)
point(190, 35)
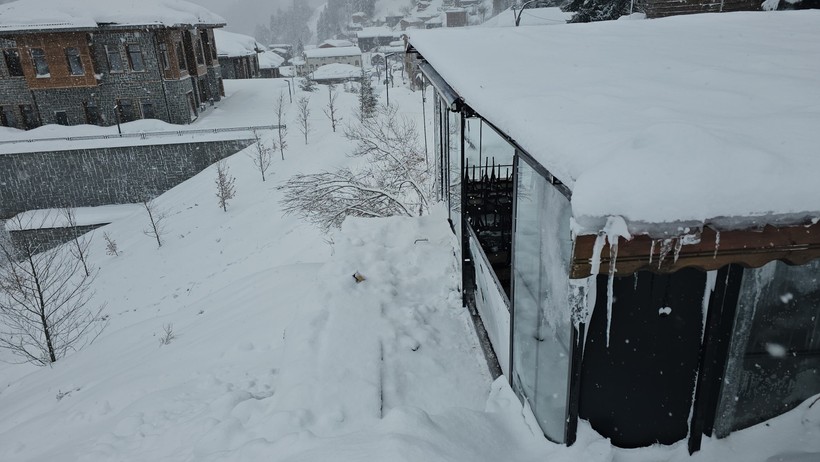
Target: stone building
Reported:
point(238, 55)
point(111, 61)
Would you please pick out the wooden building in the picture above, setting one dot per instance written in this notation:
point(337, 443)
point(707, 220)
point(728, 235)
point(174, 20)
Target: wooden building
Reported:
point(640, 237)
point(238, 55)
point(109, 63)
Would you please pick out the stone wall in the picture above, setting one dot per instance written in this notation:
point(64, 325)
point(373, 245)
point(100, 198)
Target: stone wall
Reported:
point(102, 176)
point(48, 238)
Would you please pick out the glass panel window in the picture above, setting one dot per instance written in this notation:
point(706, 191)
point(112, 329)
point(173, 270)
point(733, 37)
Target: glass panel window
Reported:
point(60, 118)
point(112, 53)
point(135, 61)
point(92, 113)
point(774, 356)
point(7, 117)
point(13, 64)
point(181, 62)
point(200, 53)
point(30, 119)
point(147, 110)
point(75, 63)
point(126, 110)
point(542, 326)
point(40, 62)
point(165, 61)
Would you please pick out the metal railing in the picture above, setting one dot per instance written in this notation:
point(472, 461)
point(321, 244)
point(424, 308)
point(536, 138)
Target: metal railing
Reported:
point(146, 135)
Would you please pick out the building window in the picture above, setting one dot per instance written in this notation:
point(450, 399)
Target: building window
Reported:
point(30, 119)
point(200, 53)
point(7, 117)
point(163, 56)
point(92, 113)
point(774, 356)
point(75, 63)
point(112, 53)
point(40, 63)
point(181, 61)
point(12, 56)
point(148, 110)
point(135, 61)
point(60, 118)
point(125, 109)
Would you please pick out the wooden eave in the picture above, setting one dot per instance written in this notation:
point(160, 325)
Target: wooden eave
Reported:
point(706, 250)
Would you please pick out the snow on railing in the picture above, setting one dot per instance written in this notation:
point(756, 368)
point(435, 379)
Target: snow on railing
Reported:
point(146, 135)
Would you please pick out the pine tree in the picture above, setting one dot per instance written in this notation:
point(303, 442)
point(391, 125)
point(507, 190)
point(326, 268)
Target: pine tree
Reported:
point(367, 98)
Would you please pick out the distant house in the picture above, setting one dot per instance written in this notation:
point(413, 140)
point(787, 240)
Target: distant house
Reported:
point(411, 22)
point(455, 17)
point(371, 37)
point(335, 43)
point(110, 61)
point(392, 20)
point(434, 23)
point(642, 255)
point(237, 54)
point(358, 18)
point(662, 8)
point(270, 64)
point(336, 73)
point(317, 57)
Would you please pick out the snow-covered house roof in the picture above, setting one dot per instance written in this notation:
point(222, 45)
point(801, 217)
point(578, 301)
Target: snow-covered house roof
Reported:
point(332, 52)
point(529, 17)
point(27, 15)
point(702, 118)
point(329, 43)
point(337, 71)
point(270, 60)
point(369, 32)
point(234, 45)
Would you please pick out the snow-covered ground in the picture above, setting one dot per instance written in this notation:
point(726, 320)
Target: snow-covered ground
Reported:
point(280, 355)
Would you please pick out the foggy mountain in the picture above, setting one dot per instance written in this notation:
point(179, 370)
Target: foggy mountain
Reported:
point(243, 15)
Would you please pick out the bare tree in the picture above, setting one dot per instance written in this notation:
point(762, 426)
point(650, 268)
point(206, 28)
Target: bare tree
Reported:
point(78, 246)
point(393, 179)
point(110, 245)
point(44, 298)
point(331, 110)
point(225, 190)
point(303, 116)
point(279, 108)
point(157, 220)
point(261, 155)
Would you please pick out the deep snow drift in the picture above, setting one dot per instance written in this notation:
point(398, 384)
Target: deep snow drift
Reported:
point(280, 355)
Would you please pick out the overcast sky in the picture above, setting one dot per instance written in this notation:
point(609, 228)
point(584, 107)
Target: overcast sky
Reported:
point(243, 15)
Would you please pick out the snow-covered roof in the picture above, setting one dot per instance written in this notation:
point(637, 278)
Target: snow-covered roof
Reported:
point(62, 14)
point(270, 60)
point(332, 52)
point(337, 43)
point(529, 17)
point(233, 45)
point(337, 71)
point(687, 118)
point(369, 32)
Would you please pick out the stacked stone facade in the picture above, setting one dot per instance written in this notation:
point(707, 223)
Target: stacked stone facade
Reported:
point(102, 176)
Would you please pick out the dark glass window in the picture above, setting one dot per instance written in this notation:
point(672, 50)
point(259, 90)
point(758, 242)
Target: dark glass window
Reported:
point(40, 63)
point(163, 56)
point(60, 118)
point(12, 56)
point(75, 63)
point(114, 58)
point(30, 119)
point(92, 113)
point(7, 117)
point(774, 356)
point(126, 110)
point(148, 110)
point(135, 60)
point(200, 53)
point(181, 61)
